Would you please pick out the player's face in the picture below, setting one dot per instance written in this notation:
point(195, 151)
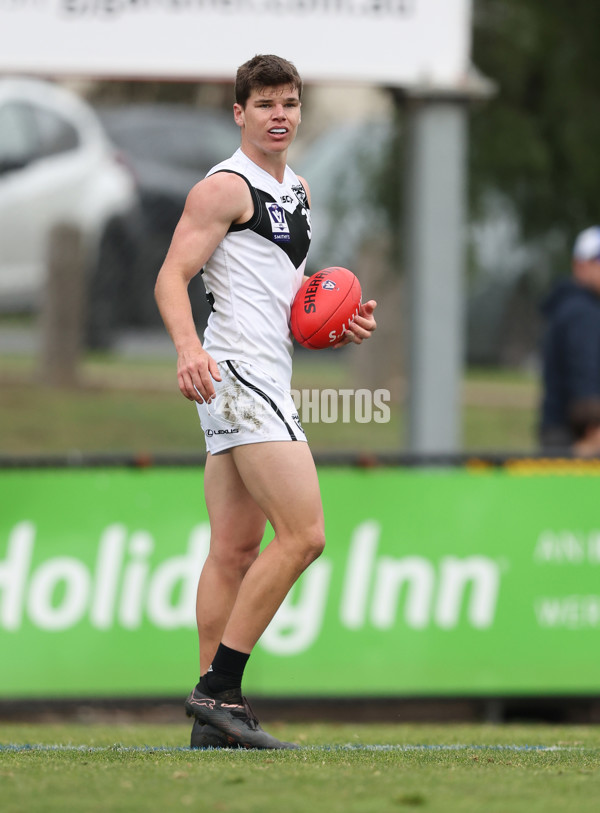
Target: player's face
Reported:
point(270, 119)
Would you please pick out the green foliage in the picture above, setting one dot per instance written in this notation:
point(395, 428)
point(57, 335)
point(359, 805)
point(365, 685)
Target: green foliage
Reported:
point(537, 140)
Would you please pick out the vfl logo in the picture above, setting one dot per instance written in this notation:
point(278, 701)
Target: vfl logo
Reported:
point(279, 226)
point(329, 285)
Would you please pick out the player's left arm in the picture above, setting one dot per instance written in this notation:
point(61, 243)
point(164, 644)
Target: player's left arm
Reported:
point(364, 323)
point(361, 327)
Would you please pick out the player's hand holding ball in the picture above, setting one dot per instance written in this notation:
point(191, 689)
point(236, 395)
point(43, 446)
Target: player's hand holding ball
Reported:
point(361, 326)
point(328, 311)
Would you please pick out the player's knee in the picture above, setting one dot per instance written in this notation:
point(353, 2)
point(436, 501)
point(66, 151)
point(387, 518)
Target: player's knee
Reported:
point(235, 559)
point(314, 544)
point(246, 557)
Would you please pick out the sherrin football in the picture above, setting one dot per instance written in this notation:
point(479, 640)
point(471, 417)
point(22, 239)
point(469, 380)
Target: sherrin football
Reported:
point(324, 307)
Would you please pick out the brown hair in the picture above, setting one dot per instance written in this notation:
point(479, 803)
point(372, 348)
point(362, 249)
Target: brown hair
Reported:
point(265, 71)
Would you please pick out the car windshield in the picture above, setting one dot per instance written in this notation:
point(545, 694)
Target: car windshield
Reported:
point(181, 138)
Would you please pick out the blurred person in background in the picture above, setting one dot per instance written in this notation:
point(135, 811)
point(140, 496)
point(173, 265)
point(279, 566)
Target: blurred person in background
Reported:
point(570, 411)
point(247, 228)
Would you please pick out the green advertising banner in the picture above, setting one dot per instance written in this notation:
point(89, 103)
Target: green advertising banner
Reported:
point(433, 582)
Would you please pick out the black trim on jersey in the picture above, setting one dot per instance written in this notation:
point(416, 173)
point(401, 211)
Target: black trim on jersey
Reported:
point(264, 395)
point(297, 245)
point(255, 219)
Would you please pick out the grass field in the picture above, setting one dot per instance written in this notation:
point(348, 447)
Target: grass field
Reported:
point(133, 405)
point(339, 769)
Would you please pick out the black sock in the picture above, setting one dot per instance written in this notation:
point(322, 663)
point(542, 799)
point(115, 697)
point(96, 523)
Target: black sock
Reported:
point(225, 672)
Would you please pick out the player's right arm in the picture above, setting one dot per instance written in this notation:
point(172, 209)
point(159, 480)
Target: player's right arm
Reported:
point(211, 207)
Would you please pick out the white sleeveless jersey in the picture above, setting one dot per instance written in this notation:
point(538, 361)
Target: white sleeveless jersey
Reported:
point(255, 272)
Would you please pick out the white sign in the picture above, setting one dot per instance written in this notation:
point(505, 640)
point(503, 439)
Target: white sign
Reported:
point(410, 43)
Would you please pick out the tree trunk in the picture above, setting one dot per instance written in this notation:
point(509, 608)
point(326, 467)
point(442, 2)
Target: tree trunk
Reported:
point(62, 310)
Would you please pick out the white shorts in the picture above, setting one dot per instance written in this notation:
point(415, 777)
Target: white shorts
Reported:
point(249, 407)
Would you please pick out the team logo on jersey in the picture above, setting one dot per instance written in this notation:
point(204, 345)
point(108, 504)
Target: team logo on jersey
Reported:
point(279, 225)
point(300, 192)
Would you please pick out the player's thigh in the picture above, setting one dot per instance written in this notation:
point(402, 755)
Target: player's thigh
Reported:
point(282, 478)
point(236, 520)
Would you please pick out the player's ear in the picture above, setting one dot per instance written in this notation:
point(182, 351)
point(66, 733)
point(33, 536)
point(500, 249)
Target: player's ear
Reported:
point(238, 114)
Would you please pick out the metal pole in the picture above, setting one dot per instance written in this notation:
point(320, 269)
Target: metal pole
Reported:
point(434, 220)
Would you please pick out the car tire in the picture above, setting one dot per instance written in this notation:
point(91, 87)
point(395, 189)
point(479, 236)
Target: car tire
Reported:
point(108, 285)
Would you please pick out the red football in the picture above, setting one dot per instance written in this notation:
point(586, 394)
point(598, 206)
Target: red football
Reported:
point(324, 307)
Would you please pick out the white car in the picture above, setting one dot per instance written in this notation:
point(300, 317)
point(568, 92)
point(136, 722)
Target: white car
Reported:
point(56, 166)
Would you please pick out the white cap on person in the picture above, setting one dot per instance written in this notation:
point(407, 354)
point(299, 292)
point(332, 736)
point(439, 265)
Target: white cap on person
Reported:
point(587, 244)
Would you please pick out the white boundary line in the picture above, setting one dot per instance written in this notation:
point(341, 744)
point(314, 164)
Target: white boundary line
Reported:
point(87, 749)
